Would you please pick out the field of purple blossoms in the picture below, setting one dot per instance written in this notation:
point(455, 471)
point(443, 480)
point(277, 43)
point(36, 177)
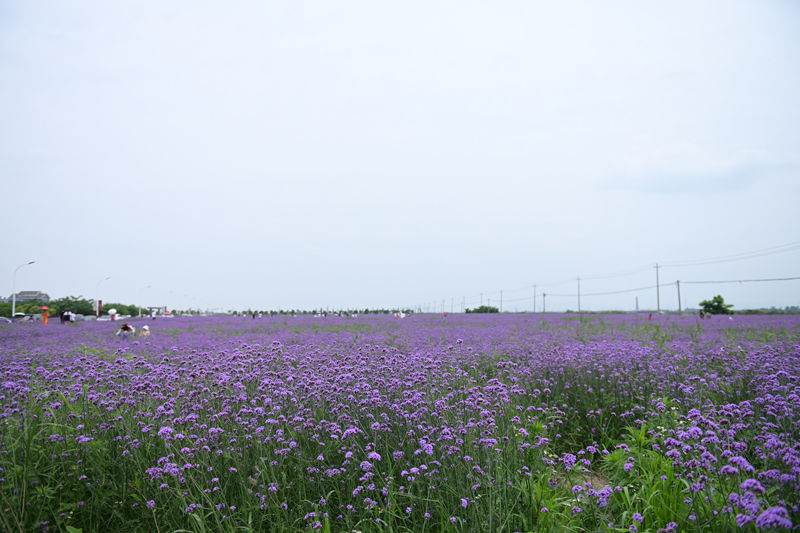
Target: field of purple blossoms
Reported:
point(460, 423)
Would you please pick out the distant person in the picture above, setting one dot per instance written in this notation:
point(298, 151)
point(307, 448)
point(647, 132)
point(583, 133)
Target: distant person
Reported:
point(125, 331)
point(72, 317)
point(65, 317)
point(145, 331)
point(45, 316)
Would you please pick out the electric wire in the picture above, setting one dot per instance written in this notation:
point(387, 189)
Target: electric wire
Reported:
point(789, 247)
point(542, 288)
point(743, 280)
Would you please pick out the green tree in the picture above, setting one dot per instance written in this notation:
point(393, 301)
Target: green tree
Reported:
point(75, 304)
point(28, 307)
point(484, 309)
point(122, 309)
point(716, 306)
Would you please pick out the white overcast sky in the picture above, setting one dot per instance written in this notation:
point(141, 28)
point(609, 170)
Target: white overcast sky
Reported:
point(275, 154)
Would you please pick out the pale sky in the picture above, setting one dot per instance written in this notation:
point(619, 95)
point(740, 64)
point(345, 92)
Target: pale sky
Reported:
point(373, 154)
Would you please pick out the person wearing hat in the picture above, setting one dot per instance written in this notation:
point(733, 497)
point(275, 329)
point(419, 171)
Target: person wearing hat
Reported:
point(145, 331)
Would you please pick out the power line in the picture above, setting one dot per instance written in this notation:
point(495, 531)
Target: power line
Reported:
point(670, 284)
point(524, 298)
point(772, 250)
point(738, 257)
point(620, 274)
point(649, 287)
point(743, 280)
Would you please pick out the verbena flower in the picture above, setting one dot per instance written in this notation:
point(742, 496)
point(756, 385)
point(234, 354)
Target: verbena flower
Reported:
point(752, 484)
point(774, 517)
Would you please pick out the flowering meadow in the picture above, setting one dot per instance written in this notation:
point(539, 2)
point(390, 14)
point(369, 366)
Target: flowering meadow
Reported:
point(512, 422)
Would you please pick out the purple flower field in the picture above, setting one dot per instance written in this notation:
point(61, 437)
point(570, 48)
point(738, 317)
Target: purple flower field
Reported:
point(461, 423)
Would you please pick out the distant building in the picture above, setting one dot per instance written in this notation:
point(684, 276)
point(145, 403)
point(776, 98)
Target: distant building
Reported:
point(27, 296)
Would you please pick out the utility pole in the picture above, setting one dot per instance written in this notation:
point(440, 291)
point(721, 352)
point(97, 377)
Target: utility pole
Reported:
point(637, 304)
point(481, 299)
point(678, 284)
point(534, 298)
point(658, 292)
point(544, 302)
point(579, 295)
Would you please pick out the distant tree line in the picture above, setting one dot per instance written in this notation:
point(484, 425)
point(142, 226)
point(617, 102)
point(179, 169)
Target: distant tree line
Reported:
point(79, 306)
point(83, 306)
point(788, 310)
point(484, 309)
point(328, 312)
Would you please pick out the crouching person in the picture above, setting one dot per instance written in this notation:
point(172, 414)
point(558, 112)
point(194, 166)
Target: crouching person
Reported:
point(125, 331)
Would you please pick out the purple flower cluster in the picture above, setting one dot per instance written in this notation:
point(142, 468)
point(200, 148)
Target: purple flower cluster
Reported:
point(297, 409)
